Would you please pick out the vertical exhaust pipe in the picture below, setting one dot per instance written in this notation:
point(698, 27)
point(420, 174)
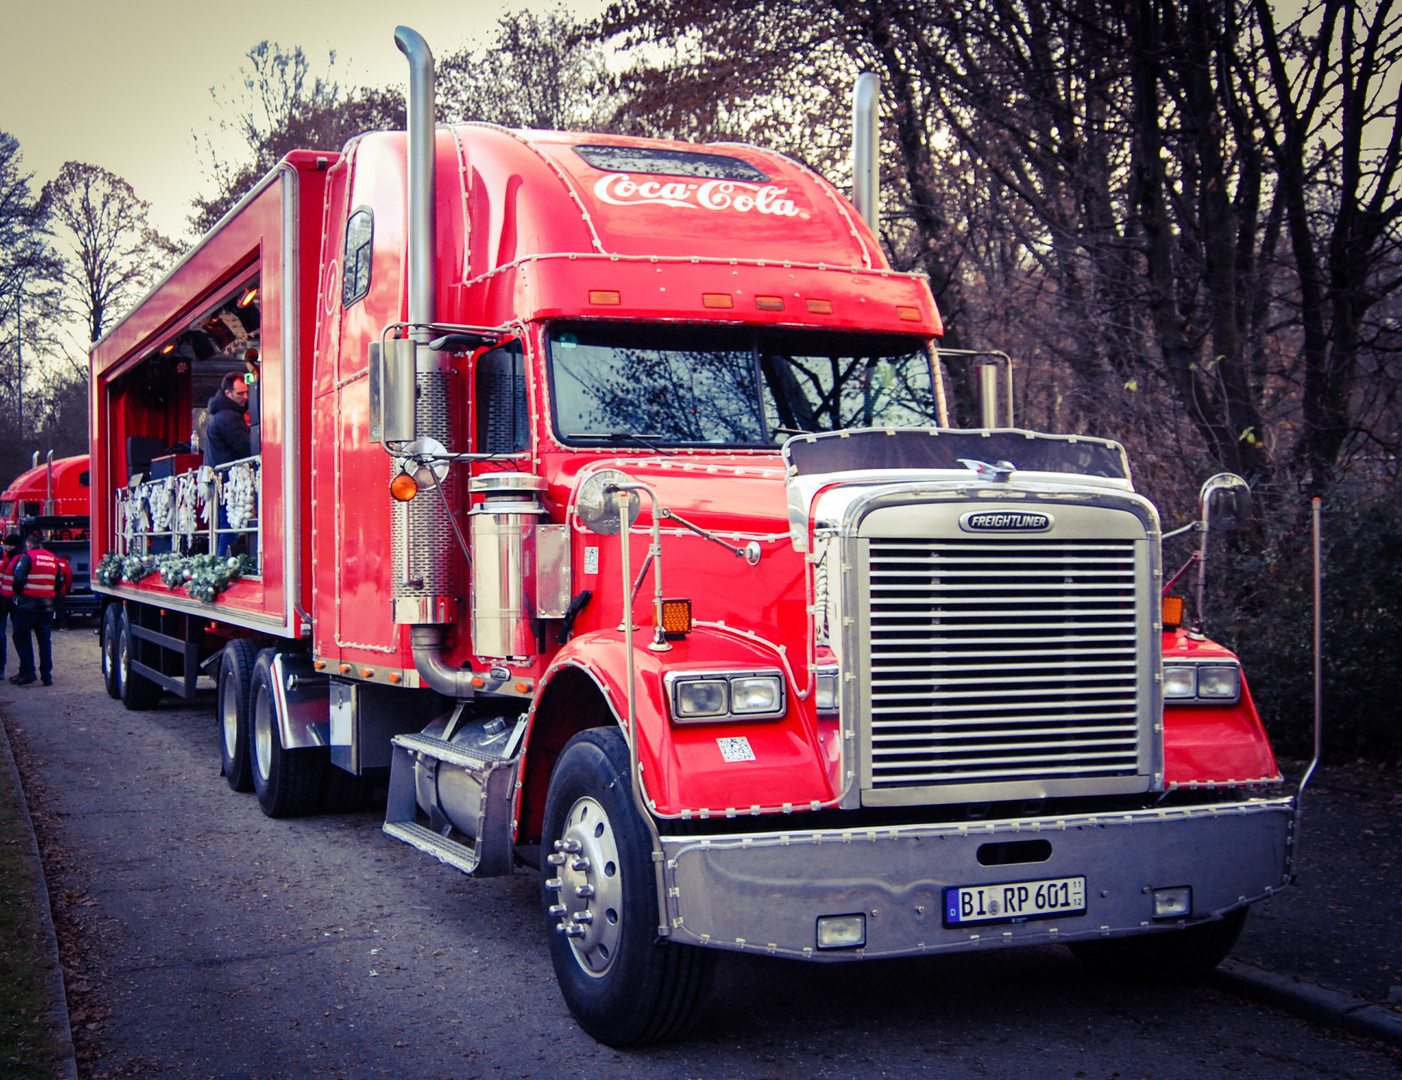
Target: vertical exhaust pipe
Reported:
point(423, 284)
point(49, 484)
point(420, 530)
point(866, 168)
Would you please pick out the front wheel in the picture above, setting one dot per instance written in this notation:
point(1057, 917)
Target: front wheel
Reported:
point(1169, 957)
point(288, 782)
point(622, 982)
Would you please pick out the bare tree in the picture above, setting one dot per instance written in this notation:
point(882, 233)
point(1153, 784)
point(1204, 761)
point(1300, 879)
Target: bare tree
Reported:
point(114, 254)
point(28, 303)
point(534, 72)
point(280, 105)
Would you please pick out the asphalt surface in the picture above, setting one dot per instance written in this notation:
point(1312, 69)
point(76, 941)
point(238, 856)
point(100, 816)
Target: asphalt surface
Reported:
point(200, 939)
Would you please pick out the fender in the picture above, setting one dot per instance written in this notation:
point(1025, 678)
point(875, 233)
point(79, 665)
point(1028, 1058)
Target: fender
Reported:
point(684, 772)
point(303, 701)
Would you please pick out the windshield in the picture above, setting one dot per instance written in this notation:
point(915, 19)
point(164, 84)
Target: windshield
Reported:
point(731, 386)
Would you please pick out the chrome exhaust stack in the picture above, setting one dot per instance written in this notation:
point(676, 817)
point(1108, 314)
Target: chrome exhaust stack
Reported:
point(866, 165)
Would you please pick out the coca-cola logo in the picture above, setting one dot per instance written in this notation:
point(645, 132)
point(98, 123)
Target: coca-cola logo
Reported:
point(620, 189)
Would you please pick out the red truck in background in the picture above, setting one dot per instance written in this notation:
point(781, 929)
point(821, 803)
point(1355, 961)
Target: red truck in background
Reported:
point(602, 501)
point(55, 487)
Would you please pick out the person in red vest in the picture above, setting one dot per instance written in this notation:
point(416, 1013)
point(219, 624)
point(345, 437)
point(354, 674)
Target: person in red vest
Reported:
point(36, 578)
point(7, 593)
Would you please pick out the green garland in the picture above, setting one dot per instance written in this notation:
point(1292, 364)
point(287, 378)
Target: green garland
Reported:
point(204, 577)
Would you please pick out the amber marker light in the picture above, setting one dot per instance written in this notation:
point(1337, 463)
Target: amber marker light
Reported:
point(403, 487)
point(769, 303)
point(478, 681)
point(367, 673)
point(345, 669)
point(605, 296)
point(820, 307)
point(248, 297)
point(168, 349)
point(522, 687)
point(1172, 612)
point(717, 300)
point(394, 676)
point(674, 617)
point(908, 314)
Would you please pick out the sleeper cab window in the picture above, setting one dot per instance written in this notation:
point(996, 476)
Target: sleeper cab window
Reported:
point(355, 280)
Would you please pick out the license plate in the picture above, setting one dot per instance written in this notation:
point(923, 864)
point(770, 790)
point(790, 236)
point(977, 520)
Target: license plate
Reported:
point(1014, 900)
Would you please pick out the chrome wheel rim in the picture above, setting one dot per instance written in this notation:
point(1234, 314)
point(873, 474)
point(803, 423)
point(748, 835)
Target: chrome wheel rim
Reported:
point(589, 887)
point(263, 731)
point(230, 713)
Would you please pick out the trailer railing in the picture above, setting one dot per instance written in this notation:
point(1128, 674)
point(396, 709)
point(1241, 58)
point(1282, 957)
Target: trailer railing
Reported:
point(209, 509)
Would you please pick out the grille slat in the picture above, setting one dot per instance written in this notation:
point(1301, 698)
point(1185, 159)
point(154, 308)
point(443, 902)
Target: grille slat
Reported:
point(1000, 659)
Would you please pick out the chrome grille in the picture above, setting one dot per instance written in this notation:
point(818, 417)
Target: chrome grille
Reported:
point(999, 660)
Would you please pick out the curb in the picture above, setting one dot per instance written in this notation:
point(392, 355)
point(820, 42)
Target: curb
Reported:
point(66, 1067)
point(1328, 1008)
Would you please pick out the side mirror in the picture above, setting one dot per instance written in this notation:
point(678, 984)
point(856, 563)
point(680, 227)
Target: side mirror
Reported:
point(1224, 503)
point(393, 390)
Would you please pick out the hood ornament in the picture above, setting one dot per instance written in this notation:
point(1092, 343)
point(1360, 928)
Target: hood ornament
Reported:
point(998, 473)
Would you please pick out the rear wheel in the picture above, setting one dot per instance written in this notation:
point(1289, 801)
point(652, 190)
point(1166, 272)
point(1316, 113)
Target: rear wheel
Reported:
point(235, 683)
point(136, 691)
point(623, 983)
point(288, 782)
point(110, 634)
point(1173, 956)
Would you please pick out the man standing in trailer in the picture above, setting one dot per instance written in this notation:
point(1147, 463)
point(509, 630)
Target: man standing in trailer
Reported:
point(226, 439)
point(36, 578)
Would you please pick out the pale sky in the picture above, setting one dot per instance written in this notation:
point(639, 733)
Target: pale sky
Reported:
point(125, 85)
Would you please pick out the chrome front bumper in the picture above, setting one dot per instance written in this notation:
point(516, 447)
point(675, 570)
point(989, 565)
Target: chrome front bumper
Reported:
point(764, 892)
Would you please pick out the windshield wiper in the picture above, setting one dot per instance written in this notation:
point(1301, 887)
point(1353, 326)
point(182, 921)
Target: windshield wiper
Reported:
point(621, 436)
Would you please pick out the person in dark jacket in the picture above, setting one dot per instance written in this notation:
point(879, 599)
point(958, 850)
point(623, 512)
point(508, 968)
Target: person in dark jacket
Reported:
point(8, 556)
point(226, 430)
point(226, 439)
point(36, 578)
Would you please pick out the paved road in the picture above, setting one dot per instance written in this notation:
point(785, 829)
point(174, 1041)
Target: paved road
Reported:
point(213, 942)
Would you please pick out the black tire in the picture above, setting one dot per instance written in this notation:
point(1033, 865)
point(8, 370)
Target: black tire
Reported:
point(110, 632)
point(136, 692)
point(1169, 958)
point(287, 782)
point(232, 709)
point(623, 983)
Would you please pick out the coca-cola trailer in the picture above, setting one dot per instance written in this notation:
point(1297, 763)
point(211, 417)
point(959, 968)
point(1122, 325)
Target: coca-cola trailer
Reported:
point(601, 499)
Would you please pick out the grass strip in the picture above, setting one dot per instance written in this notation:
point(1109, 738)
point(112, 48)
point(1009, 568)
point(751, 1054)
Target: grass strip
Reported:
point(28, 1045)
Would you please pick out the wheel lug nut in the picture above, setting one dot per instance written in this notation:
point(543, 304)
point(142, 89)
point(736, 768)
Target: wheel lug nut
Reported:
point(584, 892)
point(556, 859)
point(582, 864)
point(584, 917)
point(553, 883)
point(568, 930)
point(556, 911)
point(568, 845)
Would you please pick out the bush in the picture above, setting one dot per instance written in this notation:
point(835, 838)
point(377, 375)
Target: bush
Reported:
point(1261, 604)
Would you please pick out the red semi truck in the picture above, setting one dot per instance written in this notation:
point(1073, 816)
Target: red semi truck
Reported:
point(601, 501)
point(55, 487)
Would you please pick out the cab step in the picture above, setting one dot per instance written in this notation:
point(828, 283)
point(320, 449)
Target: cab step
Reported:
point(490, 851)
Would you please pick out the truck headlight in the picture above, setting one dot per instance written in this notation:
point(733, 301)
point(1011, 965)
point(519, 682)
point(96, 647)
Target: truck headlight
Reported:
point(696, 698)
point(1219, 682)
point(1180, 682)
point(756, 694)
point(722, 695)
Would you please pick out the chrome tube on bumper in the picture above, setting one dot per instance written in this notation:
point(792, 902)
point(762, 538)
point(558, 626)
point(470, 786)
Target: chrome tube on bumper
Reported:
point(765, 892)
